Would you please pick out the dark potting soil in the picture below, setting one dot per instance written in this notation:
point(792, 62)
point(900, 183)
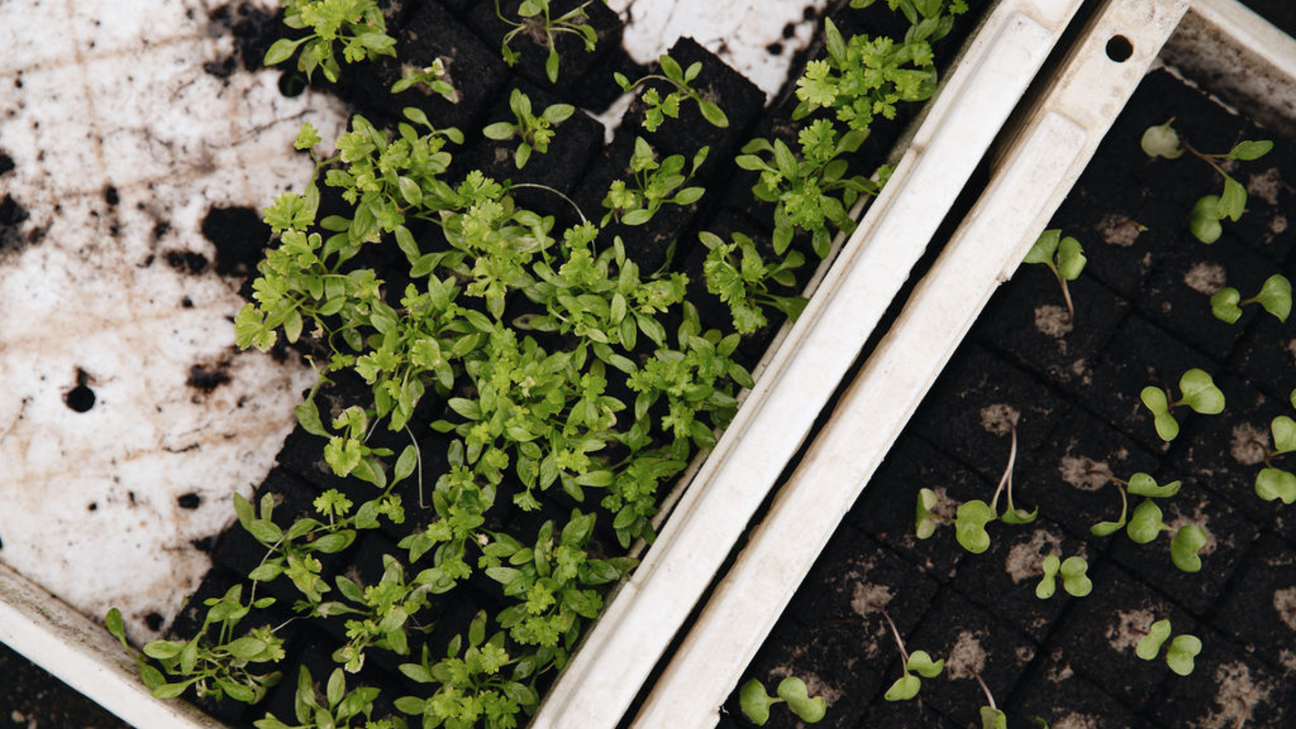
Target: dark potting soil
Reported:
point(1142, 317)
point(578, 163)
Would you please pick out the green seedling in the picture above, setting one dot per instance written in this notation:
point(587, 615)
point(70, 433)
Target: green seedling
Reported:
point(336, 707)
point(1197, 391)
point(658, 108)
point(1275, 297)
point(1074, 578)
point(652, 185)
point(756, 703)
point(1063, 256)
point(1273, 483)
point(992, 717)
point(1180, 653)
point(434, 78)
point(535, 20)
point(357, 24)
point(915, 666)
point(744, 284)
point(533, 132)
point(1207, 212)
point(972, 517)
point(1146, 523)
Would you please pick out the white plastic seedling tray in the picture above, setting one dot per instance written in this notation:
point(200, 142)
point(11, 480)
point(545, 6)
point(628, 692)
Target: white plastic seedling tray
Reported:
point(1049, 149)
point(621, 650)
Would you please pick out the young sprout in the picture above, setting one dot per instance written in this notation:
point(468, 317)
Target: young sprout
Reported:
point(1074, 580)
point(1275, 297)
point(1198, 392)
point(972, 517)
point(1161, 141)
point(434, 77)
point(1063, 256)
point(919, 662)
point(534, 20)
point(1147, 523)
point(1179, 655)
point(535, 132)
point(659, 108)
point(1274, 483)
point(756, 703)
point(1204, 220)
point(992, 717)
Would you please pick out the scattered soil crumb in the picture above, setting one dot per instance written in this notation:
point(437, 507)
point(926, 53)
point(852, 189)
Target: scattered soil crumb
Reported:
point(1284, 601)
point(1287, 658)
point(1023, 562)
point(1266, 185)
point(1119, 230)
point(967, 657)
point(1084, 472)
point(999, 418)
point(1061, 671)
point(1053, 321)
point(1076, 721)
point(1130, 628)
point(1238, 694)
point(1291, 349)
point(1206, 278)
point(1278, 224)
point(867, 598)
point(1249, 444)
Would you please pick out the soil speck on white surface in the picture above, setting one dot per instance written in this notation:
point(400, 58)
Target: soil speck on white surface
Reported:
point(118, 353)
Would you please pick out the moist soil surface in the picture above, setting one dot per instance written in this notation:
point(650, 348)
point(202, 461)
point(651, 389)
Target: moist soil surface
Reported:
point(1072, 388)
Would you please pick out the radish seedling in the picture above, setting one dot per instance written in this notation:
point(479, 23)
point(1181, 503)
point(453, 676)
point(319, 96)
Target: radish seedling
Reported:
point(1063, 256)
point(1275, 297)
point(1146, 523)
point(1074, 580)
point(919, 662)
point(756, 703)
point(1180, 653)
point(1197, 391)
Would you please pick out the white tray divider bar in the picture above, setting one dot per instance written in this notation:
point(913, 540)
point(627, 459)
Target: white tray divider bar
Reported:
point(1031, 182)
point(83, 655)
point(621, 650)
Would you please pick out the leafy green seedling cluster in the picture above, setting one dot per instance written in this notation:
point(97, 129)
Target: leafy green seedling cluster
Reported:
point(652, 184)
point(659, 107)
point(535, 20)
point(737, 274)
point(357, 24)
point(1179, 654)
point(1204, 218)
point(1197, 391)
point(1275, 297)
point(1147, 521)
point(756, 703)
point(1073, 571)
point(336, 707)
point(971, 518)
point(1063, 256)
point(533, 132)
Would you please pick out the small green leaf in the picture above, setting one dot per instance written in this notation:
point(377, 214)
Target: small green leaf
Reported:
point(1284, 434)
point(1224, 305)
point(1145, 523)
point(1156, 401)
point(922, 663)
point(1276, 296)
point(1184, 547)
point(969, 526)
point(1019, 516)
point(1274, 483)
point(1044, 247)
point(925, 520)
point(1070, 259)
point(755, 702)
point(1075, 579)
point(1150, 645)
point(793, 691)
point(713, 114)
point(1233, 202)
point(1248, 150)
point(1204, 219)
point(1198, 391)
point(1142, 484)
point(906, 687)
point(1048, 583)
point(1104, 528)
point(1183, 649)
point(992, 718)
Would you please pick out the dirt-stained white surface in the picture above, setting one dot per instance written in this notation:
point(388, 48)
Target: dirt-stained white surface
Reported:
point(121, 141)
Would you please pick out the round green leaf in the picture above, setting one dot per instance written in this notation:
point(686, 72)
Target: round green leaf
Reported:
point(1204, 220)
point(969, 526)
point(1155, 400)
point(713, 114)
point(1200, 393)
point(1184, 547)
point(1183, 649)
point(1048, 584)
point(1145, 523)
point(922, 663)
point(905, 688)
point(755, 702)
point(1070, 259)
point(1284, 433)
point(1150, 645)
point(992, 718)
point(1224, 305)
point(1075, 579)
point(1142, 484)
point(793, 691)
point(1161, 141)
point(1276, 296)
point(1275, 483)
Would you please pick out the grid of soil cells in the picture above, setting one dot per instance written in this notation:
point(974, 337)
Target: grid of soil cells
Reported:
point(1072, 387)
